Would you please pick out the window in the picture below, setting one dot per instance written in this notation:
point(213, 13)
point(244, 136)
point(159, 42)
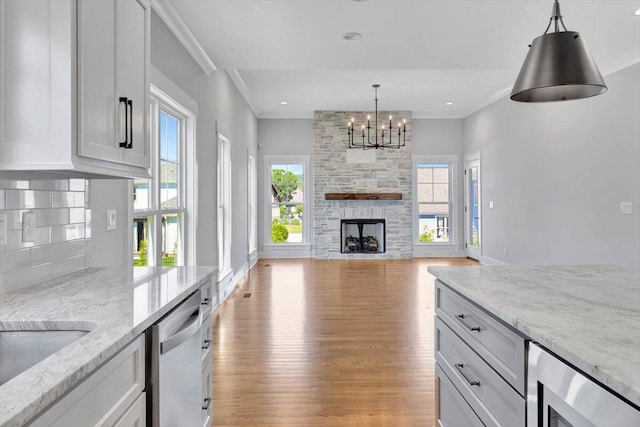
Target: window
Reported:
point(159, 203)
point(434, 198)
point(287, 194)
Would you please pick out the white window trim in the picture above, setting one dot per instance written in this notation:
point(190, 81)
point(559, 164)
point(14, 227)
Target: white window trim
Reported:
point(224, 201)
point(252, 205)
point(308, 208)
point(165, 90)
point(454, 209)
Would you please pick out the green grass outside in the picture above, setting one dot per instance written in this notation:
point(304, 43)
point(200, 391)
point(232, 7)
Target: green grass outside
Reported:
point(167, 261)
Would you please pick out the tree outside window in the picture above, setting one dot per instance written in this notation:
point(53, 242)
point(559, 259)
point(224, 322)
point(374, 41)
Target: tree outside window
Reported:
point(287, 203)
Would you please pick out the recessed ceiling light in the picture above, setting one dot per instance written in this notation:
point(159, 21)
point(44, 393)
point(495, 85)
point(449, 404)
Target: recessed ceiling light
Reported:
point(638, 12)
point(448, 103)
point(351, 36)
point(283, 102)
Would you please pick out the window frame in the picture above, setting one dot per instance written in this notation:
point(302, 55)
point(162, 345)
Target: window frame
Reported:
point(453, 161)
point(161, 102)
point(269, 161)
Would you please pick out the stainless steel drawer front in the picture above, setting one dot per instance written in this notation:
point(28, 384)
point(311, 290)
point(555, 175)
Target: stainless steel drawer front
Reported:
point(494, 341)
point(453, 410)
point(492, 398)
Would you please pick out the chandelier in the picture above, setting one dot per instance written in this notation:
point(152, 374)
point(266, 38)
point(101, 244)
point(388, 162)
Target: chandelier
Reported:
point(383, 137)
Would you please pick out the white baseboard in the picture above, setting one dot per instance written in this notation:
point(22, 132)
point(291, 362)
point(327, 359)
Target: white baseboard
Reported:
point(253, 259)
point(231, 281)
point(286, 251)
point(435, 252)
point(485, 260)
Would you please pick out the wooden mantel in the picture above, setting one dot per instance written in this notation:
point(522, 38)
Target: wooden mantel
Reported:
point(363, 196)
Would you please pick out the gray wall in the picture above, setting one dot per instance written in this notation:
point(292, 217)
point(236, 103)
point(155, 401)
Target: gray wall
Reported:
point(220, 103)
point(438, 136)
point(557, 173)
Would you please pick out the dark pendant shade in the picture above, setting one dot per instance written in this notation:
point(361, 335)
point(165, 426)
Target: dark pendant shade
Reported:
point(558, 67)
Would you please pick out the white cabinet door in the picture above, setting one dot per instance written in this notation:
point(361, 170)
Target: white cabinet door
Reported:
point(97, 103)
point(113, 86)
point(136, 415)
point(35, 84)
point(133, 74)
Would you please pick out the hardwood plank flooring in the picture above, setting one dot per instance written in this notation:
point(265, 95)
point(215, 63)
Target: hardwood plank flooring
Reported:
point(327, 343)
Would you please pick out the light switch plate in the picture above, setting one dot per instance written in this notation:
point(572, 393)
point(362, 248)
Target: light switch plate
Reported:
point(28, 227)
point(111, 220)
point(626, 208)
point(3, 229)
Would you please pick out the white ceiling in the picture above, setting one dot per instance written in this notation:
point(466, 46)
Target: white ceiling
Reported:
point(423, 52)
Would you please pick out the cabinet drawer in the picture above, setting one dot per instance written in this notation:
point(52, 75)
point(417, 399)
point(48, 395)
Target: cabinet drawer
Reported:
point(489, 395)
point(453, 410)
point(209, 297)
point(207, 395)
point(498, 344)
point(205, 334)
point(105, 395)
point(136, 415)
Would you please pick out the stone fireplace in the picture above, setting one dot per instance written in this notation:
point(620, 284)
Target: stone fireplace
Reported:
point(338, 169)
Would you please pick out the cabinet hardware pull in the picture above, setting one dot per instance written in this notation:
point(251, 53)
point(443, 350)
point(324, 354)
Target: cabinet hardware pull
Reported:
point(461, 318)
point(207, 403)
point(125, 143)
point(207, 344)
point(460, 367)
point(130, 104)
point(206, 301)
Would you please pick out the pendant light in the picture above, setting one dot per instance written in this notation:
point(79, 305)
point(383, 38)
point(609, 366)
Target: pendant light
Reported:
point(558, 67)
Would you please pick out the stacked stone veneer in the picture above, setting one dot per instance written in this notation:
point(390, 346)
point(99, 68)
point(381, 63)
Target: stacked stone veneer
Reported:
point(390, 173)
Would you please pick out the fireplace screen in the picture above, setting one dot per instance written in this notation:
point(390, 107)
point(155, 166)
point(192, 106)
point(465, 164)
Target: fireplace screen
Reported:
point(362, 236)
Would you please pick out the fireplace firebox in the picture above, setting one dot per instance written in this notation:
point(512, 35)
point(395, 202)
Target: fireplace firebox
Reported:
point(363, 236)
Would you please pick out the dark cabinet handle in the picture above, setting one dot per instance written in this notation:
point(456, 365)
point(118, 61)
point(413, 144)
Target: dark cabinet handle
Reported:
point(461, 318)
point(207, 403)
point(460, 367)
point(125, 143)
point(206, 301)
point(207, 344)
point(130, 104)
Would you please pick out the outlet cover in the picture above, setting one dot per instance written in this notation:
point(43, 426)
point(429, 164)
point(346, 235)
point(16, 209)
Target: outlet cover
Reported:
point(28, 227)
point(111, 220)
point(626, 208)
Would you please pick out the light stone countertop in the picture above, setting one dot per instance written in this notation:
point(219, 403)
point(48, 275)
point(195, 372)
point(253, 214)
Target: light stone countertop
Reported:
point(587, 315)
point(115, 304)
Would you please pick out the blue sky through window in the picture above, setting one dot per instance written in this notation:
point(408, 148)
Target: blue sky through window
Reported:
point(169, 126)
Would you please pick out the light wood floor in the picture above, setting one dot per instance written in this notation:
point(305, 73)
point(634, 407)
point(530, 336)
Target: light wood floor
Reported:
point(327, 343)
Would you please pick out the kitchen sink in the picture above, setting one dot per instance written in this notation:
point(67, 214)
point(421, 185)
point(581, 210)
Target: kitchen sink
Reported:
point(24, 346)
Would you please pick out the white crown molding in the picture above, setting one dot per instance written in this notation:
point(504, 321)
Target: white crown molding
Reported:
point(236, 78)
point(177, 26)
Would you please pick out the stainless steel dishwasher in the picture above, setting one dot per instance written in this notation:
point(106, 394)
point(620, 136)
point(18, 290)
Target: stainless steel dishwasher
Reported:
point(175, 380)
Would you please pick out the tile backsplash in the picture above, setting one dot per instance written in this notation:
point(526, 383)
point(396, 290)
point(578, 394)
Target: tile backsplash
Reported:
point(62, 237)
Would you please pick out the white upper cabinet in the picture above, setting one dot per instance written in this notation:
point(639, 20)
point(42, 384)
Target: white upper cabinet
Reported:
point(74, 86)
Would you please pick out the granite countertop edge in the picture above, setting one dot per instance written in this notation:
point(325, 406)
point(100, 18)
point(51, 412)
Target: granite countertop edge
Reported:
point(57, 374)
point(525, 327)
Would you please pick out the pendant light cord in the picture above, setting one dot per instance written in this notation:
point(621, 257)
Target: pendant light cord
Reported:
point(555, 17)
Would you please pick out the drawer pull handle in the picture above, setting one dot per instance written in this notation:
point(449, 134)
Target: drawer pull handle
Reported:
point(471, 328)
point(460, 367)
point(206, 301)
point(207, 344)
point(207, 403)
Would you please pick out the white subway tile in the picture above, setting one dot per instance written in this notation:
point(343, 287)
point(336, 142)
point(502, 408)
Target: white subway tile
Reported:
point(67, 266)
point(26, 277)
point(2, 199)
point(76, 184)
point(14, 260)
point(27, 199)
point(76, 215)
point(65, 233)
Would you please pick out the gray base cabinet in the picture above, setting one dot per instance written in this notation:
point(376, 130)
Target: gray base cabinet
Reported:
point(480, 365)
